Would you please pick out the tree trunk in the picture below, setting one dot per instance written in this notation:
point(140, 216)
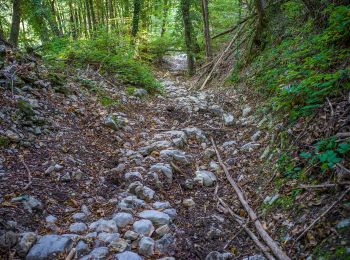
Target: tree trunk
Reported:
point(16, 19)
point(59, 19)
point(87, 14)
point(92, 13)
point(136, 17)
point(165, 16)
point(185, 9)
point(261, 23)
point(205, 13)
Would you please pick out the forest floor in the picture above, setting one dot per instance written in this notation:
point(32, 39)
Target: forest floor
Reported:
point(95, 175)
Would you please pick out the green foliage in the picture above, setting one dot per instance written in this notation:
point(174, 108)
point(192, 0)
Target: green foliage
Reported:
point(110, 53)
point(130, 90)
point(327, 152)
point(285, 202)
point(298, 73)
point(102, 95)
point(25, 108)
point(155, 49)
point(4, 141)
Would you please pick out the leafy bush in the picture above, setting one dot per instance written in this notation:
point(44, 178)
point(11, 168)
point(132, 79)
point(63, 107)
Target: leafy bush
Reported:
point(299, 72)
point(158, 47)
point(328, 152)
point(109, 53)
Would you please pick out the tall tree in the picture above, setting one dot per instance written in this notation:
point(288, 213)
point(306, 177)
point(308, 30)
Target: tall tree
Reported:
point(185, 9)
point(205, 13)
point(259, 6)
point(16, 19)
point(165, 16)
point(136, 17)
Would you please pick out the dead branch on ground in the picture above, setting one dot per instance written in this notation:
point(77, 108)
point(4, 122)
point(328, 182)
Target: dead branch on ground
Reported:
point(322, 215)
point(277, 251)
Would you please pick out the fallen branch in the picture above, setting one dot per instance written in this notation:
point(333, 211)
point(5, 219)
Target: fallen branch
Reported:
point(29, 174)
point(277, 251)
point(204, 129)
point(343, 135)
point(234, 27)
point(322, 186)
point(255, 239)
point(220, 58)
point(331, 106)
point(110, 83)
point(343, 168)
point(72, 254)
point(177, 169)
point(322, 215)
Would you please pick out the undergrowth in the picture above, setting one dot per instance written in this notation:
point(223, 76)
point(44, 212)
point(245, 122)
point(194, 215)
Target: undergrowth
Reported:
point(107, 53)
point(300, 66)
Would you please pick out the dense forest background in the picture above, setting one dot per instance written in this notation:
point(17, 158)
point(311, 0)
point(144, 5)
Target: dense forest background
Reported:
point(299, 44)
point(287, 59)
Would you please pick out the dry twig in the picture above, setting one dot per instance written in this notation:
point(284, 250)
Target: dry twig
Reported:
point(322, 215)
point(277, 251)
point(331, 106)
point(29, 174)
point(323, 186)
point(241, 222)
point(72, 254)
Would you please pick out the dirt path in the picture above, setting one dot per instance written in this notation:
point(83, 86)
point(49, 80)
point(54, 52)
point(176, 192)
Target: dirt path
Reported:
point(137, 177)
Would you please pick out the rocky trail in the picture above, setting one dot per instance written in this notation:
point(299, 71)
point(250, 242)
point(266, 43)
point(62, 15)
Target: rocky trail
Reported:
point(136, 180)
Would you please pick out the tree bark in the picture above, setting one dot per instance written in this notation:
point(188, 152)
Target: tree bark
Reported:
point(16, 19)
point(205, 13)
point(87, 14)
point(165, 16)
point(260, 23)
point(73, 28)
point(92, 13)
point(185, 9)
point(136, 17)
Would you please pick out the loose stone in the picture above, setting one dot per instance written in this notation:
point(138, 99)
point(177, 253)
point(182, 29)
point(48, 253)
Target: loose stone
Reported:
point(82, 248)
point(188, 203)
point(98, 253)
point(162, 230)
point(146, 246)
point(78, 227)
point(26, 241)
point(128, 255)
point(123, 219)
point(157, 217)
point(50, 246)
point(119, 245)
point(143, 227)
point(103, 225)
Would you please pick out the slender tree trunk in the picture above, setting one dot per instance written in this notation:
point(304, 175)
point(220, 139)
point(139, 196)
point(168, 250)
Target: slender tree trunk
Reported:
point(165, 16)
point(205, 13)
point(73, 28)
point(50, 18)
point(2, 34)
point(78, 22)
point(185, 8)
point(260, 23)
point(136, 17)
point(16, 19)
point(92, 13)
point(88, 16)
point(82, 16)
point(59, 18)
